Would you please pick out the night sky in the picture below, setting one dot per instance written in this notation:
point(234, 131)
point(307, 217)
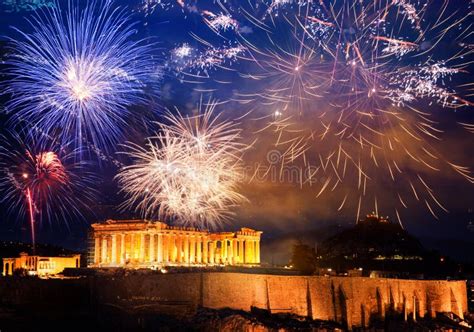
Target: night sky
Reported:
point(276, 206)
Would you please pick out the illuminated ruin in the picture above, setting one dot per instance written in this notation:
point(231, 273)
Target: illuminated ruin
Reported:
point(141, 243)
point(39, 265)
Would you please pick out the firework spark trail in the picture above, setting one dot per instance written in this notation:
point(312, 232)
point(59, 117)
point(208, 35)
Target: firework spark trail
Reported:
point(148, 7)
point(220, 22)
point(383, 64)
point(54, 186)
point(78, 71)
point(29, 199)
point(188, 173)
point(190, 63)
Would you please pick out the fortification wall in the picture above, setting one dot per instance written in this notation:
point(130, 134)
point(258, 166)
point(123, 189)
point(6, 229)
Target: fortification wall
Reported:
point(349, 300)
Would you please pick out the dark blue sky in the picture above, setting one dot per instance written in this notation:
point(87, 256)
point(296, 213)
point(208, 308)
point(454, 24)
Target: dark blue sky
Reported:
point(273, 207)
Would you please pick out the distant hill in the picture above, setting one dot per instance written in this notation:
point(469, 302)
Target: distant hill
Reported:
point(377, 244)
point(13, 249)
point(372, 238)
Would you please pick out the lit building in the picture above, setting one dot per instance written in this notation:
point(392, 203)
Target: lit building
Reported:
point(141, 243)
point(374, 218)
point(40, 265)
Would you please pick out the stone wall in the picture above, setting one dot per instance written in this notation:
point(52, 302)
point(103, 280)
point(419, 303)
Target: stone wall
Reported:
point(348, 300)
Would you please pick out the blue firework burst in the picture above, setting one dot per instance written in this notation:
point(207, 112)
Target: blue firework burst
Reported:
point(77, 73)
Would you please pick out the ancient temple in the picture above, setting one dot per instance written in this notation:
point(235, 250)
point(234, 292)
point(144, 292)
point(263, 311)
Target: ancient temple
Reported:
point(40, 265)
point(141, 243)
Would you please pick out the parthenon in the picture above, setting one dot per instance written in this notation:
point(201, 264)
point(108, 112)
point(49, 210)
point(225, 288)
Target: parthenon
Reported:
point(141, 243)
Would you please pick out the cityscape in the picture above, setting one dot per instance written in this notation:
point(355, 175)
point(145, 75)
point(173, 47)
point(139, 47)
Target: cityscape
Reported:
point(260, 165)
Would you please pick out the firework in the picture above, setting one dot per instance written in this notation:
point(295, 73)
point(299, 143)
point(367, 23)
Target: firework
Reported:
point(220, 22)
point(190, 62)
point(182, 51)
point(149, 6)
point(77, 72)
point(290, 63)
point(188, 173)
point(44, 182)
point(346, 86)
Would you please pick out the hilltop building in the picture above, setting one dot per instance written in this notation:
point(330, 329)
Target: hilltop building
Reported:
point(375, 244)
point(146, 244)
point(39, 265)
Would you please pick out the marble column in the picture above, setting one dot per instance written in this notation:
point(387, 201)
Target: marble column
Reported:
point(212, 251)
point(179, 246)
point(132, 249)
point(199, 250)
point(226, 251)
point(225, 246)
point(241, 251)
point(166, 245)
point(173, 248)
point(217, 253)
point(142, 247)
point(247, 251)
point(122, 248)
point(235, 258)
point(97, 250)
point(151, 248)
point(230, 252)
point(168, 248)
point(192, 249)
point(205, 251)
point(257, 251)
point(253, 251)
point(186, 248)
point(160, 248)
point(103, 256)
point(250, 242)
point(114, 249)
